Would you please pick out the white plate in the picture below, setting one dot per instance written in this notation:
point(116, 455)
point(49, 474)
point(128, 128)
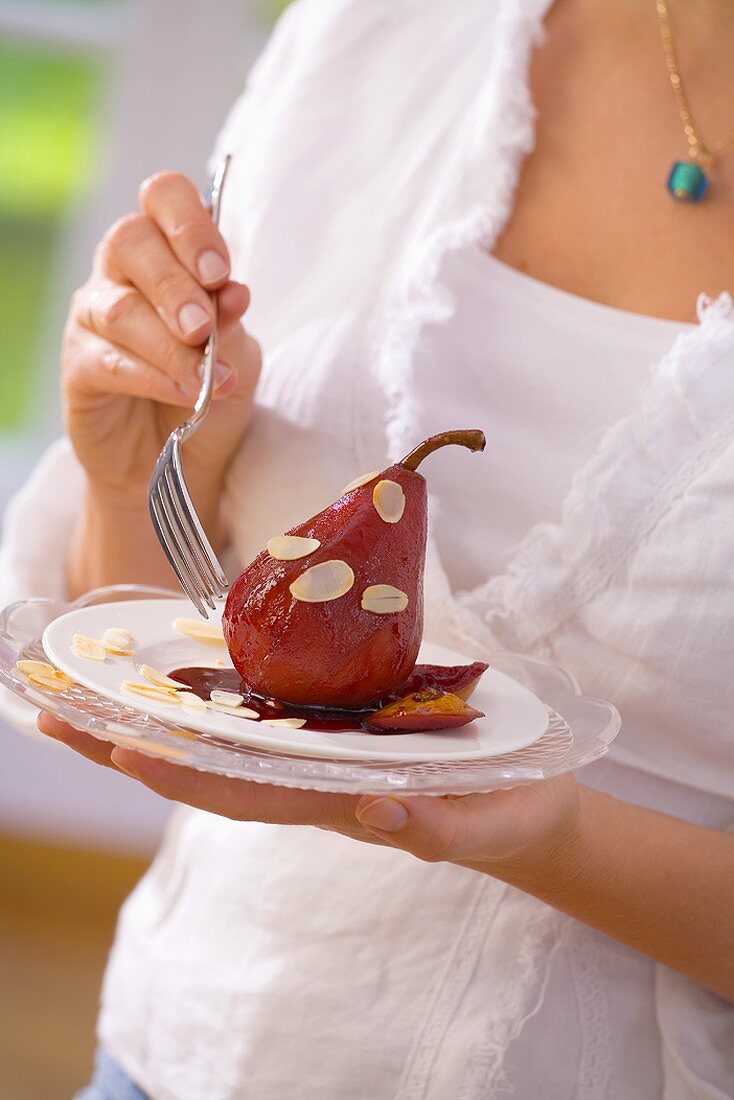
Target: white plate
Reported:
point(580, 728)
point(515, 718)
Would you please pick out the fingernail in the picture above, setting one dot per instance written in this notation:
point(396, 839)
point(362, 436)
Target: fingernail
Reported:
point(385, 814)
point(120, 767)
point(192, 317)
point(222, 375)
point(212, 267)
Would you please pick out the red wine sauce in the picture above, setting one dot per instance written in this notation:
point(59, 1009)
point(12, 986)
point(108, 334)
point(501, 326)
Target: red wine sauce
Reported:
point(202, 681)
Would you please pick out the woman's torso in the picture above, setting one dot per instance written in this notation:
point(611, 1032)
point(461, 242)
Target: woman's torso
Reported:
point(353, 970)
point(256, 960)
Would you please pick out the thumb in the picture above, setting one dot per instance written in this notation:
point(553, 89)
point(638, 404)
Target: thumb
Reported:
point(477, 827)
point(431, 828)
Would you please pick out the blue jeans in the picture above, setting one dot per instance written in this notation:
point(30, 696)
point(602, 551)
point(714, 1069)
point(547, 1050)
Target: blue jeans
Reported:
point(110, 1082)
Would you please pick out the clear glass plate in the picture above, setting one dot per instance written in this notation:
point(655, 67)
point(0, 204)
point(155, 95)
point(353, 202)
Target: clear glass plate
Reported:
point(580, 729)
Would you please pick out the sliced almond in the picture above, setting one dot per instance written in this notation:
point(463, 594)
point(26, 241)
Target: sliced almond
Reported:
point(191, 700)
point(199, 631)
point(35, 668)
point(117, 638)
point(84, 641)
point(359, 481)
point(149, 691)
point(186, 734)
point(227, 698)
point(291, 547)
point(151, 749)
point(383, 599)
point(57, 682)
point(153, 676)
point(88, 648)
point(326, 581)
point(286, 723)
point(234, 712)
point(389, 500)
point(43, 675)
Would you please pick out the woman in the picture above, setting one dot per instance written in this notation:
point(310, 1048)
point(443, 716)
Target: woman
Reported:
point(415, 266)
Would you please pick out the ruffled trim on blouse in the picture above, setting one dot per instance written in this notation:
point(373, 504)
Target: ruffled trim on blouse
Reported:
point(642, 466)
point(471, 201)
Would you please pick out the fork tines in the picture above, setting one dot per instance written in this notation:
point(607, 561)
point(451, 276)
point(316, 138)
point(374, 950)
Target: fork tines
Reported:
point(181, 534)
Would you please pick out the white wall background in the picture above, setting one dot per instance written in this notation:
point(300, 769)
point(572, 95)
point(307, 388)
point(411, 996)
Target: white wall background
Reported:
point(175, 67)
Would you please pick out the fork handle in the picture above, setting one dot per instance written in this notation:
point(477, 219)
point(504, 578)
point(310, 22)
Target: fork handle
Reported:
point(203, 401)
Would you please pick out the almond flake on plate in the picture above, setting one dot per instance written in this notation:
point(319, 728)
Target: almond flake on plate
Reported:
point(149, 691)
point(159, 678)
point(359, 481)
point(234, 712)
point(35, 668)
point(188, 735)
point(286, 723)
point(227, 698)
point(117, 638)
point(291, 547)
point(191, 701)
point(84, 642)
point(199, 631)
point(151, 749)
point(88, 648)
point(56, 682)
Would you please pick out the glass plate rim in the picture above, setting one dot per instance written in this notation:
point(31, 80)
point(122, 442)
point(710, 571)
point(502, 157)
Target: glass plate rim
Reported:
point(566, 747)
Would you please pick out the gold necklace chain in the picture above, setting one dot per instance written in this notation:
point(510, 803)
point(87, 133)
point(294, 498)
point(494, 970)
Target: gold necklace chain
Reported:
point(699, 153)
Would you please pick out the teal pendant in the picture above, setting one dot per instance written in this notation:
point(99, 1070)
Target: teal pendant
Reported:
point(687, 182)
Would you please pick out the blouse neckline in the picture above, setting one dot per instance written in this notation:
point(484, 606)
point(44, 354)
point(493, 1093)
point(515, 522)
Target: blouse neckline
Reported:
point(545, 295)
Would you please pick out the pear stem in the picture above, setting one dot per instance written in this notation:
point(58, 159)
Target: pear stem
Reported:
point(463, 437)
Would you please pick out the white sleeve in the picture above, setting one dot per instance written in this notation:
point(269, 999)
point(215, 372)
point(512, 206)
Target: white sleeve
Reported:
point(38, 527)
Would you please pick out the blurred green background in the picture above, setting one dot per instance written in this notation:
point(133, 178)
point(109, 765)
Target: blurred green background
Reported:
point(49, 103)
point(47, 123)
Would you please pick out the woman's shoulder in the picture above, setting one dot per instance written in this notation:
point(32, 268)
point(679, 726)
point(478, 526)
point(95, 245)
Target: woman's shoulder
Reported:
point(370, 56)
point(308, 29)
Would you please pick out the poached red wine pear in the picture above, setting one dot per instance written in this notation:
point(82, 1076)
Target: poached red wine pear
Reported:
point(331, 613)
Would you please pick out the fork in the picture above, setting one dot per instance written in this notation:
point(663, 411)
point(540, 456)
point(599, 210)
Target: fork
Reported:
point(176, 523)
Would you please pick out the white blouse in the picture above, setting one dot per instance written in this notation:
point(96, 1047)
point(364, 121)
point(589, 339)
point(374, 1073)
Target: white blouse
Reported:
point(544, 373)
point(255, 962)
